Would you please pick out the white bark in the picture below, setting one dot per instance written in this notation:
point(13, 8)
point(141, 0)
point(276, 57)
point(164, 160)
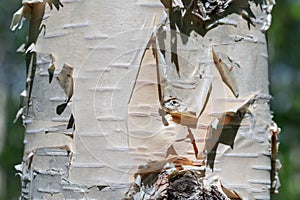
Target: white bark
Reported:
point(115, 103)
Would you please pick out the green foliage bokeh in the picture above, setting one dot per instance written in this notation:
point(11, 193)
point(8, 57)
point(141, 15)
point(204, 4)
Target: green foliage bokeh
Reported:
point(284, 51)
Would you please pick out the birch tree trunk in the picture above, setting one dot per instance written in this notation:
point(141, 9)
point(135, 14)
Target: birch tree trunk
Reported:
point(152, 100)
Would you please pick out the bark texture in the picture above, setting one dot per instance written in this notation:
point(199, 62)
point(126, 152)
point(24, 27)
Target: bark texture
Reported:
point(140, 111)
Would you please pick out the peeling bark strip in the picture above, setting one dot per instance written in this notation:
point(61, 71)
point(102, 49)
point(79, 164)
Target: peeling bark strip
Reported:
point(168, 109)
point(227, 68)
point(65, 81)
point(275, 163)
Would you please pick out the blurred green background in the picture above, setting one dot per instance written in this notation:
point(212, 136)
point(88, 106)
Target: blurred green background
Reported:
point(284, 53)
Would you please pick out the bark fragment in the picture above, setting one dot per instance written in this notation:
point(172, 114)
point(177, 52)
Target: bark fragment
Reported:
point(227, 68)
point(178, 179)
